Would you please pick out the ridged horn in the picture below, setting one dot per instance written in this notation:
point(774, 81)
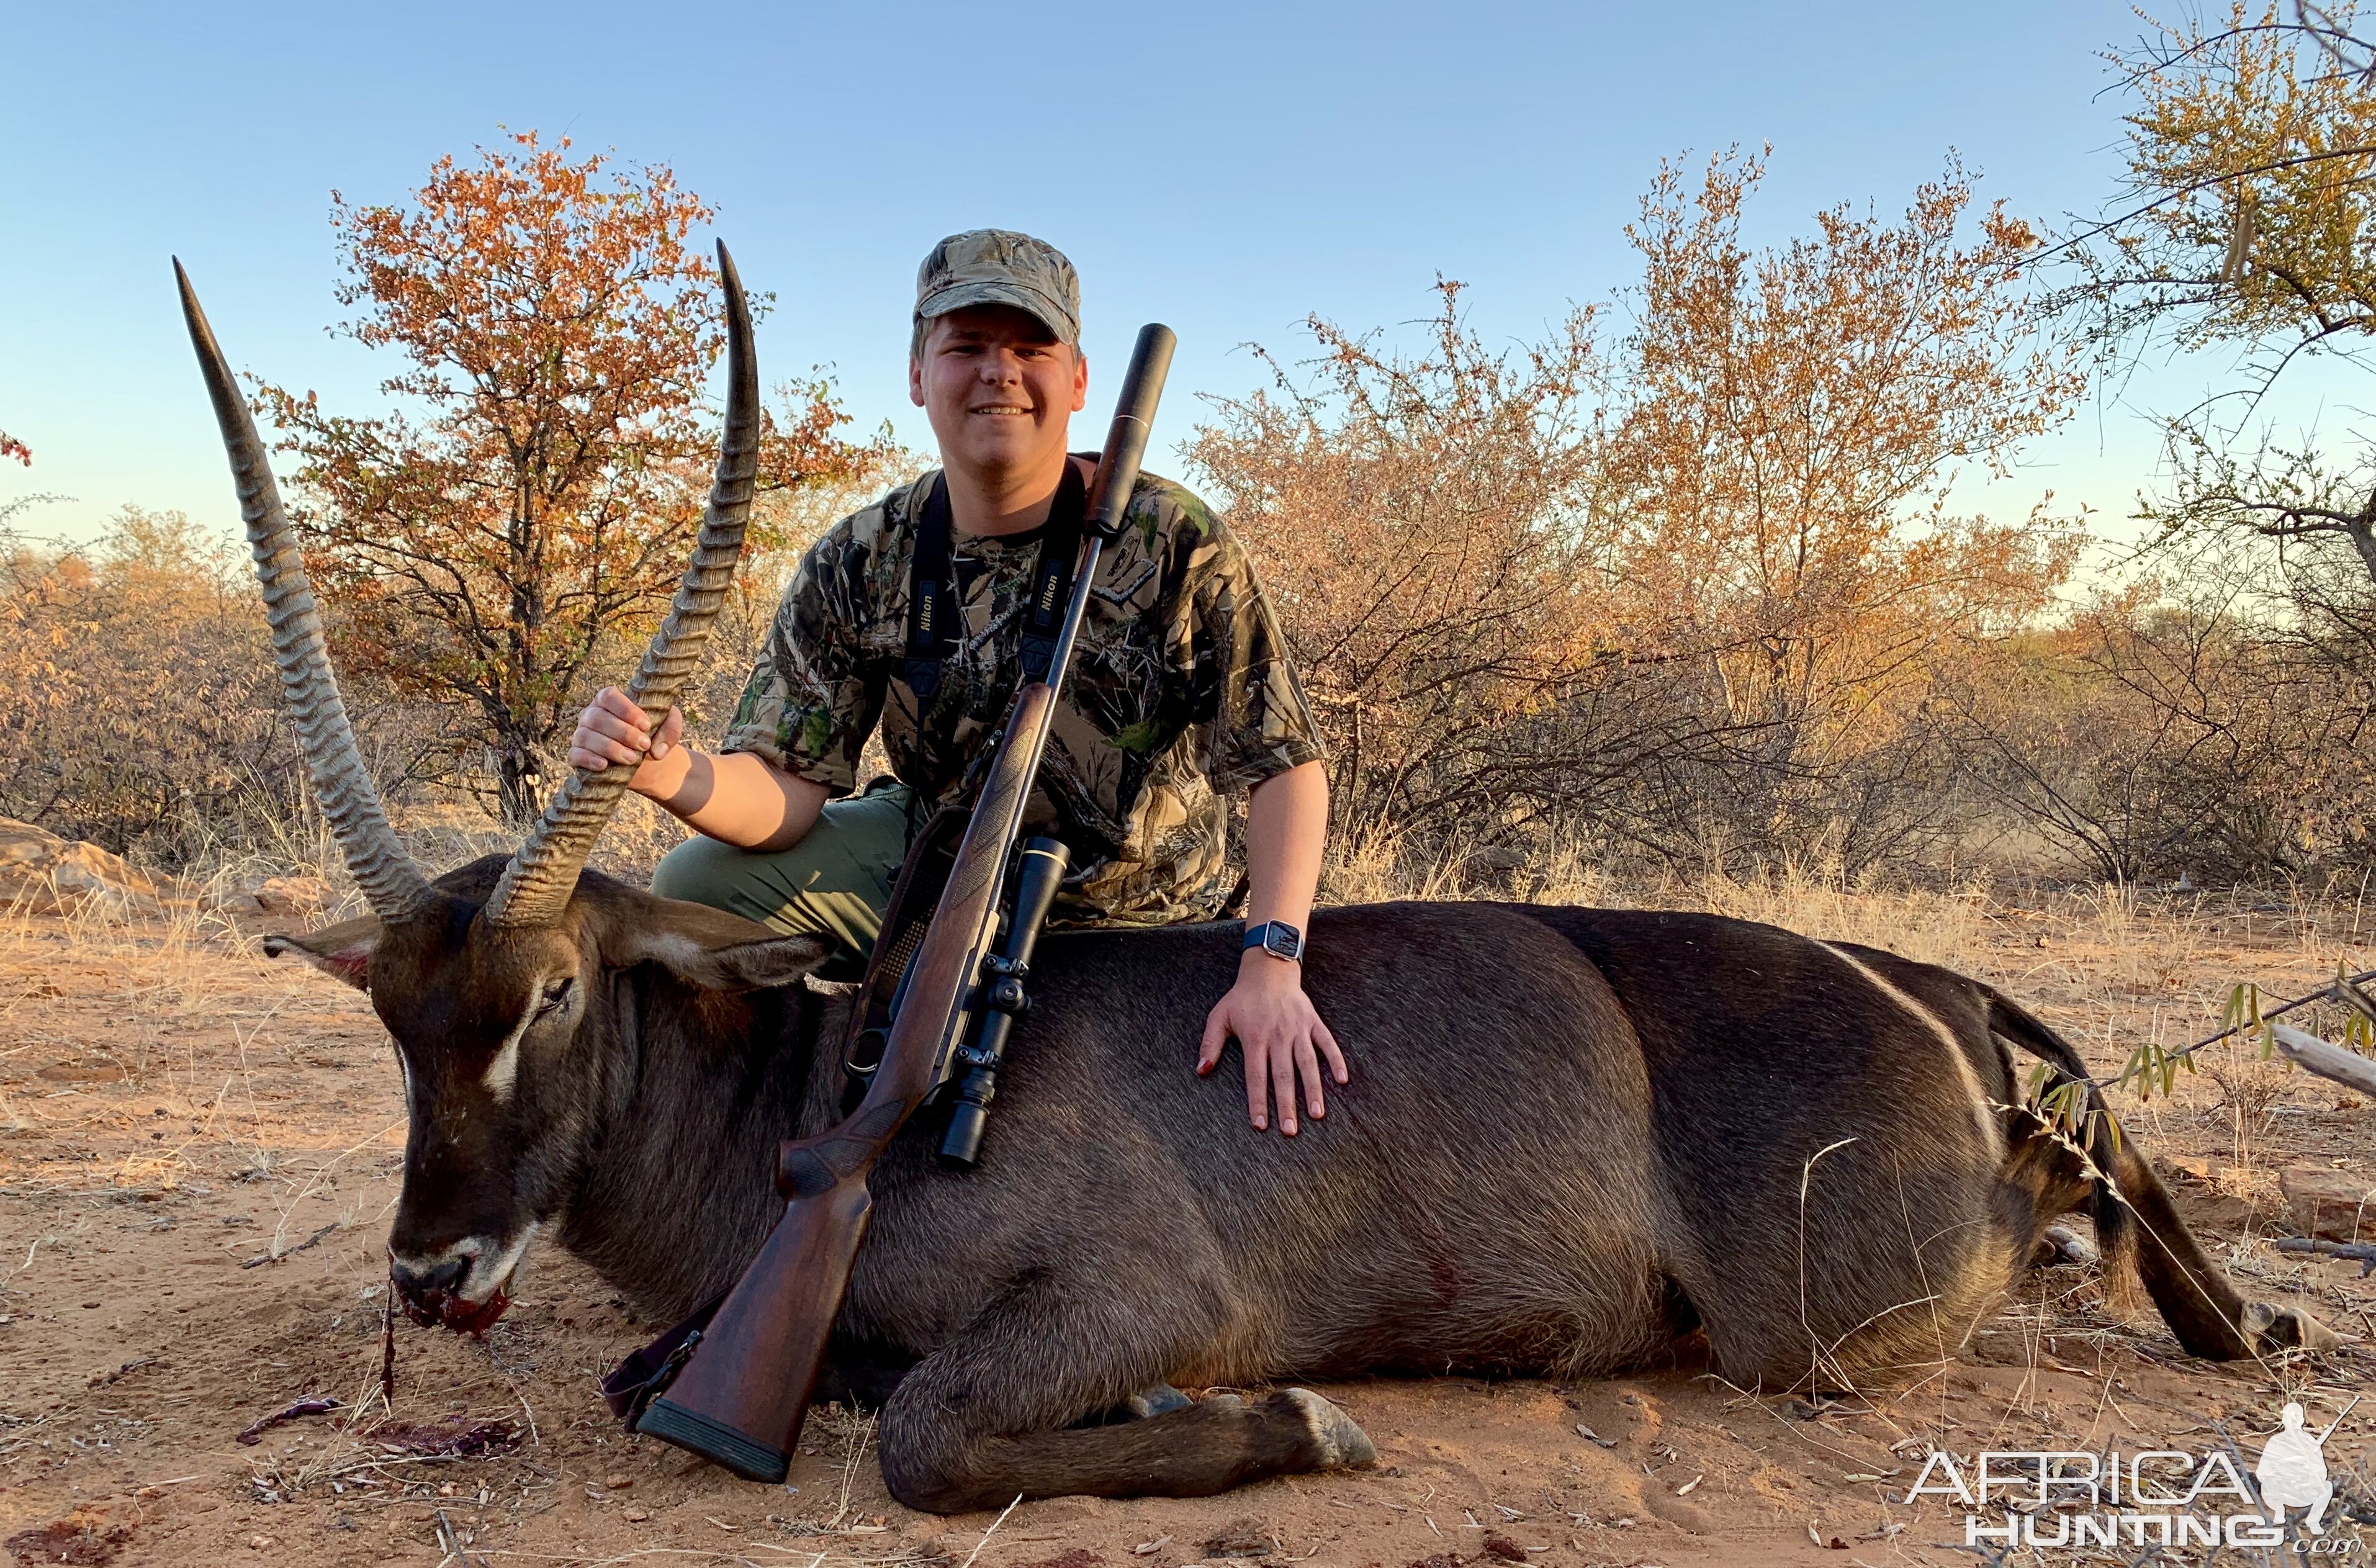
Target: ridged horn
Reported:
point(536, 887)
point(342, 785)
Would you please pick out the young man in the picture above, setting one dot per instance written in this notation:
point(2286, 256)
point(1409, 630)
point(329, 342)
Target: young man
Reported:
point(1180, 691)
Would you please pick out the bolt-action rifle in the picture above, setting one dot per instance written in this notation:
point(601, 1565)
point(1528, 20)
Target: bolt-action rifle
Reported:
point(736, 1390)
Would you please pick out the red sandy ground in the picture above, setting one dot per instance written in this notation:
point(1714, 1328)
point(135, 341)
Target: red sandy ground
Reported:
point(172, 1110)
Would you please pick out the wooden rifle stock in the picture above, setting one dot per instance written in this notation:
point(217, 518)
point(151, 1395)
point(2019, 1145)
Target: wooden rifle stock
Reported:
point(737, 1391)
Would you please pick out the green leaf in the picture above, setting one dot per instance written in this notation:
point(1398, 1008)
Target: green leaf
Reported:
point(1142, 737)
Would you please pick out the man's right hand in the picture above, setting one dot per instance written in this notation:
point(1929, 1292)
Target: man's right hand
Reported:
point(732, 797)
point(613, 729)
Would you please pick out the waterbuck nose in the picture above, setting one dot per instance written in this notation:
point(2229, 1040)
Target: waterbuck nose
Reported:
point(418, 1284)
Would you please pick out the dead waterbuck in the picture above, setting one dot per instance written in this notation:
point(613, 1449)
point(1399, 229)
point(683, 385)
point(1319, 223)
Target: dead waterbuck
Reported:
point(1573, 1138)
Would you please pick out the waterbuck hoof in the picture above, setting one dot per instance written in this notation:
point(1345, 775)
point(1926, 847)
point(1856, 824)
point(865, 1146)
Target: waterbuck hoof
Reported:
point(1155, 1399)
point(1337, 1442)
point(2271, 1328)
point(2061, 1244)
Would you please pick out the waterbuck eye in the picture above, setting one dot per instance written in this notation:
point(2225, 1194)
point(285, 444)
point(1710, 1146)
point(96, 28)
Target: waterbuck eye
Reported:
point(555, 993)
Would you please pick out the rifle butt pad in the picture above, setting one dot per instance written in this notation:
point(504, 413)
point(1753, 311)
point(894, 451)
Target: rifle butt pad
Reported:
point(741, 1395)
point(714, 1441)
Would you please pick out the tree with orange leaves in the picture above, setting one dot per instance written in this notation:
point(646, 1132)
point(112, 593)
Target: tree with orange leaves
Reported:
point(12, 447)
point(1688, 590)
point(1778, 480)
point(530, 512)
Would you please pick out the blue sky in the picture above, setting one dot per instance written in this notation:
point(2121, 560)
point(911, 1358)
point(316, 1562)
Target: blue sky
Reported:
point(1222, 167)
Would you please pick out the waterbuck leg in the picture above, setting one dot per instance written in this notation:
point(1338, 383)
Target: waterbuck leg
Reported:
point(2198, 1301)
point(1202, 1448)
point(983, 1420)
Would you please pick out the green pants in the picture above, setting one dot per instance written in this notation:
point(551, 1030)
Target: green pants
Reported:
point(835, 881)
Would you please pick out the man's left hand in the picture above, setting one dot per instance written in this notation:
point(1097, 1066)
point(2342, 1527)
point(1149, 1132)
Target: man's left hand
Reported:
point(1281, 1036)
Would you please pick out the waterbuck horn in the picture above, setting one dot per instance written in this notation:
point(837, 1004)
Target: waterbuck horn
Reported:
point(342, 785)
point(537, 885)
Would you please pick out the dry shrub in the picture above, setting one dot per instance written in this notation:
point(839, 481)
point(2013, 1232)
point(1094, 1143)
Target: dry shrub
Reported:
point(143, 712)
point(1420, 523)
point(2198, 728)
point(1793, 423)
point(1687, 596)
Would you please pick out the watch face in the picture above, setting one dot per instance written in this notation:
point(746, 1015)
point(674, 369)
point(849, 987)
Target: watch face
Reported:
point(1281, 940)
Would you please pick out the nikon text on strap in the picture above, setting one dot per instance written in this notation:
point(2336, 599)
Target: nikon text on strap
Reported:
point(936, 607)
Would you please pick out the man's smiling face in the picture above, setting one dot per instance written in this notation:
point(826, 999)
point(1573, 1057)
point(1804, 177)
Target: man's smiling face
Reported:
point(999, 389)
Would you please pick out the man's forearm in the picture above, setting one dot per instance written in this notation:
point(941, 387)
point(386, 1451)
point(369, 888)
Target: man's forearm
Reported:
point(1287, 824)
point(736, 799)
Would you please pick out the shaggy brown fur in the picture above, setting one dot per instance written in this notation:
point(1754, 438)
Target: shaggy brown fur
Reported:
point(1572, 1136)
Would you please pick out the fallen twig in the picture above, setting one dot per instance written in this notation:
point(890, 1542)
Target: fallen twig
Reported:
point(319, 1405)
point(449, 1540)
point(2333, 1063)
point(388, 1348)
point(458, 1441)
point(991, 1531)
point(276, 1257)
point(2361, 1252)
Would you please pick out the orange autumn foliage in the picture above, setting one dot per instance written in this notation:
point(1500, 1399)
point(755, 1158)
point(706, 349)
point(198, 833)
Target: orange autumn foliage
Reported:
point(1687, 591)
point(495, 542)
point(1778, 480)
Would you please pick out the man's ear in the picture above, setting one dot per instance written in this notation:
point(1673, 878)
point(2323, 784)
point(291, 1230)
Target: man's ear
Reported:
point(711, 948)
point(342, 950)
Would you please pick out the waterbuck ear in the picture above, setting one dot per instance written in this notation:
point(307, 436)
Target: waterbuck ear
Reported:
point(342, 950)
point(711, 948)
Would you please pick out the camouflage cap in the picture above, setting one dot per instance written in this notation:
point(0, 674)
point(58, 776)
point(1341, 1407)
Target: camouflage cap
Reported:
point(999, 266)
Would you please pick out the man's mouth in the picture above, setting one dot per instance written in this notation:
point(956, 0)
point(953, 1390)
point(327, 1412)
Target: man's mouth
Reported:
point(1011, 408)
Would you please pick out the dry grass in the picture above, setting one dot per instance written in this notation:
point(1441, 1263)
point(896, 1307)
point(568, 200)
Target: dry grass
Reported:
point(278, 1098)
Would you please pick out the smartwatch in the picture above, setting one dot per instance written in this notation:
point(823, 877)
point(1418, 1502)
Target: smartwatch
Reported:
point(1277, 938)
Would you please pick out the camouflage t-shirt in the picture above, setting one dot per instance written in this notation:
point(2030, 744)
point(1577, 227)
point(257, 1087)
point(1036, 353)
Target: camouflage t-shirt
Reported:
point(1180, 691)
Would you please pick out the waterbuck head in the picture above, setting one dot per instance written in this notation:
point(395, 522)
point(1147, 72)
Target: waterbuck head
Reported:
point(493, 980)
point(511, 1046)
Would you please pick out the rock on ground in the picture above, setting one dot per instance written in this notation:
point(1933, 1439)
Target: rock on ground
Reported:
point(44, 875)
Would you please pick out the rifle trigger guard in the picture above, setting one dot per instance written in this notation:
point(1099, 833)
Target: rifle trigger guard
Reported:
point(863, 1072)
